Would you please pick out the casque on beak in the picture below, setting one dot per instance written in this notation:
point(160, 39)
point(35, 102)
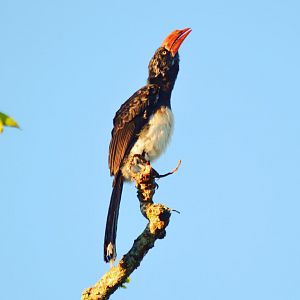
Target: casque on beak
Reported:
point(174, 40)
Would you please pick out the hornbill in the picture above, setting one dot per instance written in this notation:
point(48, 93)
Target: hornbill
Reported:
point(142, 126)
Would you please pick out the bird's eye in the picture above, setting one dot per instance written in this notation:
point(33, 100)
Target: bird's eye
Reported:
point(164, 52)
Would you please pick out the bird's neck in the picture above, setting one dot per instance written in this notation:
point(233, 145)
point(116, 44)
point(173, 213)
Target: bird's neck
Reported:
point(166, 86)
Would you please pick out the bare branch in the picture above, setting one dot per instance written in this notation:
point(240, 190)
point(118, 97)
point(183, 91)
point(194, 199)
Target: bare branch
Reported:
point(158, 216)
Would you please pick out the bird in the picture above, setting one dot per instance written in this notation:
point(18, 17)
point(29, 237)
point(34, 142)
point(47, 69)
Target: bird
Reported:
point(142, 126)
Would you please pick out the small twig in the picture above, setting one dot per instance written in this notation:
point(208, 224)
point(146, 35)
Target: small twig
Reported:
point(170, 173)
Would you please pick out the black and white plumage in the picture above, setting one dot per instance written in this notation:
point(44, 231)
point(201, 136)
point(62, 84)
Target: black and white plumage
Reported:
point(143, 125)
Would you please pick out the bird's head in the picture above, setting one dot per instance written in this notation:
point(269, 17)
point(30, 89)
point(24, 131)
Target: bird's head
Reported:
point(164, 65)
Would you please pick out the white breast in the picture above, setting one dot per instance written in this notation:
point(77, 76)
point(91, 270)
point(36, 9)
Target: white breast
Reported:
point(154, 138)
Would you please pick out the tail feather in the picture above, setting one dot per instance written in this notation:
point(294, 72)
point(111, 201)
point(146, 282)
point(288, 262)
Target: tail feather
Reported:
point(112, 220)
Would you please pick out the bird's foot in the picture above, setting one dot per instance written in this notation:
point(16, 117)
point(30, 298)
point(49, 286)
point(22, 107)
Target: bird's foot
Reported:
point(138, 164)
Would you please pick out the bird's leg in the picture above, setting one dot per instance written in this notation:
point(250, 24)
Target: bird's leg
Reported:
point(140, 157)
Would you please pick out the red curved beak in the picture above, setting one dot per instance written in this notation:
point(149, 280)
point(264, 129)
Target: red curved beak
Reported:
point(174, 40)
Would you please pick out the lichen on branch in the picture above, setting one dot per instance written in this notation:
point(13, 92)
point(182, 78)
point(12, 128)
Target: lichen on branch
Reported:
point(158, 216)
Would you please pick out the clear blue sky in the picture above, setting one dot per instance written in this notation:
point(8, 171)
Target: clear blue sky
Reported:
point(67, 66)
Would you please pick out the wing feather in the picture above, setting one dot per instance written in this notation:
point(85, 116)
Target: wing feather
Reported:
point(128, 122)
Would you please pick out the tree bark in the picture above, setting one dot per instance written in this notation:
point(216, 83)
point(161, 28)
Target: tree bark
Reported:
point(158, 216)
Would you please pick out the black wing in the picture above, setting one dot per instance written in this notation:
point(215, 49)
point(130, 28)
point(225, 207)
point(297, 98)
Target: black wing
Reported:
point(128, 122)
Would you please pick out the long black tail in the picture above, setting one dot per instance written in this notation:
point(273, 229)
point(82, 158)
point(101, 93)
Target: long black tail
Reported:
point(112, 220)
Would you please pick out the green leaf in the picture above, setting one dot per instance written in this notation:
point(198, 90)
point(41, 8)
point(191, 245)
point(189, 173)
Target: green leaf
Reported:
point(127, 280)
point(5, 120)
point(123, 286)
